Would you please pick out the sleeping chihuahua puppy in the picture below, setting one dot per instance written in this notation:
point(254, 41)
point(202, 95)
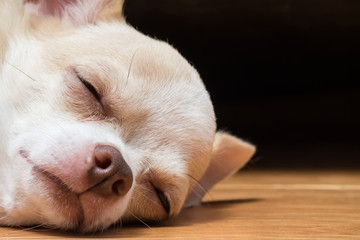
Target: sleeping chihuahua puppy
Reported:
point(98, 122)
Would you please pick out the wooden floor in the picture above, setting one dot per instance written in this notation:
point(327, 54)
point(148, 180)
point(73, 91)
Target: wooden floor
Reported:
point(254, 205)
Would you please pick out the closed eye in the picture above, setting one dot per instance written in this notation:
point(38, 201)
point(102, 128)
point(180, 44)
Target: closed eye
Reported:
point(163, 199)
point(90, 87)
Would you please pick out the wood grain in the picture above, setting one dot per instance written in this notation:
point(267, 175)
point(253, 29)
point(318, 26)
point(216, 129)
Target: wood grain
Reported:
point(252, 205)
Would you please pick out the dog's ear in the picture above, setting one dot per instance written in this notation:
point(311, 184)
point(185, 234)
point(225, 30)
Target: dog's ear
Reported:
point(78, 12)
point(229, 155)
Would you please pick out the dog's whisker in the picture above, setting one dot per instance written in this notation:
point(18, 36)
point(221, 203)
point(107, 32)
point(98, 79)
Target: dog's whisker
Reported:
point(148, 162)
point(117, 224)
point(35, 212)
point(37, 226)
point(147, 225)
point(149, 198)
point(3, 217)
point(120, 223)
point(131, 63)
point(18, 69)
point(204, 190)
point(145, 188)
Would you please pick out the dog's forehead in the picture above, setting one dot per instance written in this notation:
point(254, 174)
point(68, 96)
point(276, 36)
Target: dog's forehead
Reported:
point(117, 41)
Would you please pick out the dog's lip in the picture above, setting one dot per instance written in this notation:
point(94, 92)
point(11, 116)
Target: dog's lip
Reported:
point(60, 186)
point(42, 171)
point(64, 190)
point(52, 177)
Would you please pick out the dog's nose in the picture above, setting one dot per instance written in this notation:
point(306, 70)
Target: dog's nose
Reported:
point(110, 171)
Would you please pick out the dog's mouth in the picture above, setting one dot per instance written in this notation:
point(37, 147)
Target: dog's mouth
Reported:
point(64, 207)
point(62, 199)
point(59, 196)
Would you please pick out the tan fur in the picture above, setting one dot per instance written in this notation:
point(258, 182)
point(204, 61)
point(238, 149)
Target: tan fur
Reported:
point(229, 154)
point(112, 10)
point(7, 27)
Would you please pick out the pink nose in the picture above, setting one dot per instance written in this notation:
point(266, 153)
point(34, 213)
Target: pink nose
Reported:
point(110, 171)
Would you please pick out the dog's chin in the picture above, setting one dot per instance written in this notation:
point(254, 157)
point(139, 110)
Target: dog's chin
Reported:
point(79, 212)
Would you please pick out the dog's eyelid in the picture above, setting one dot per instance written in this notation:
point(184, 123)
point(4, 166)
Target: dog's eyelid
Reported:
point(163, 199)
point(89, 86)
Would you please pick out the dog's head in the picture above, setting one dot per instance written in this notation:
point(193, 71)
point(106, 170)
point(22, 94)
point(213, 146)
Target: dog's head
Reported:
point(103, 123)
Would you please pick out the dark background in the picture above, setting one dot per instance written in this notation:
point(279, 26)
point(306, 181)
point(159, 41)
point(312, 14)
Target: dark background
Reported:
point(283, 74)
